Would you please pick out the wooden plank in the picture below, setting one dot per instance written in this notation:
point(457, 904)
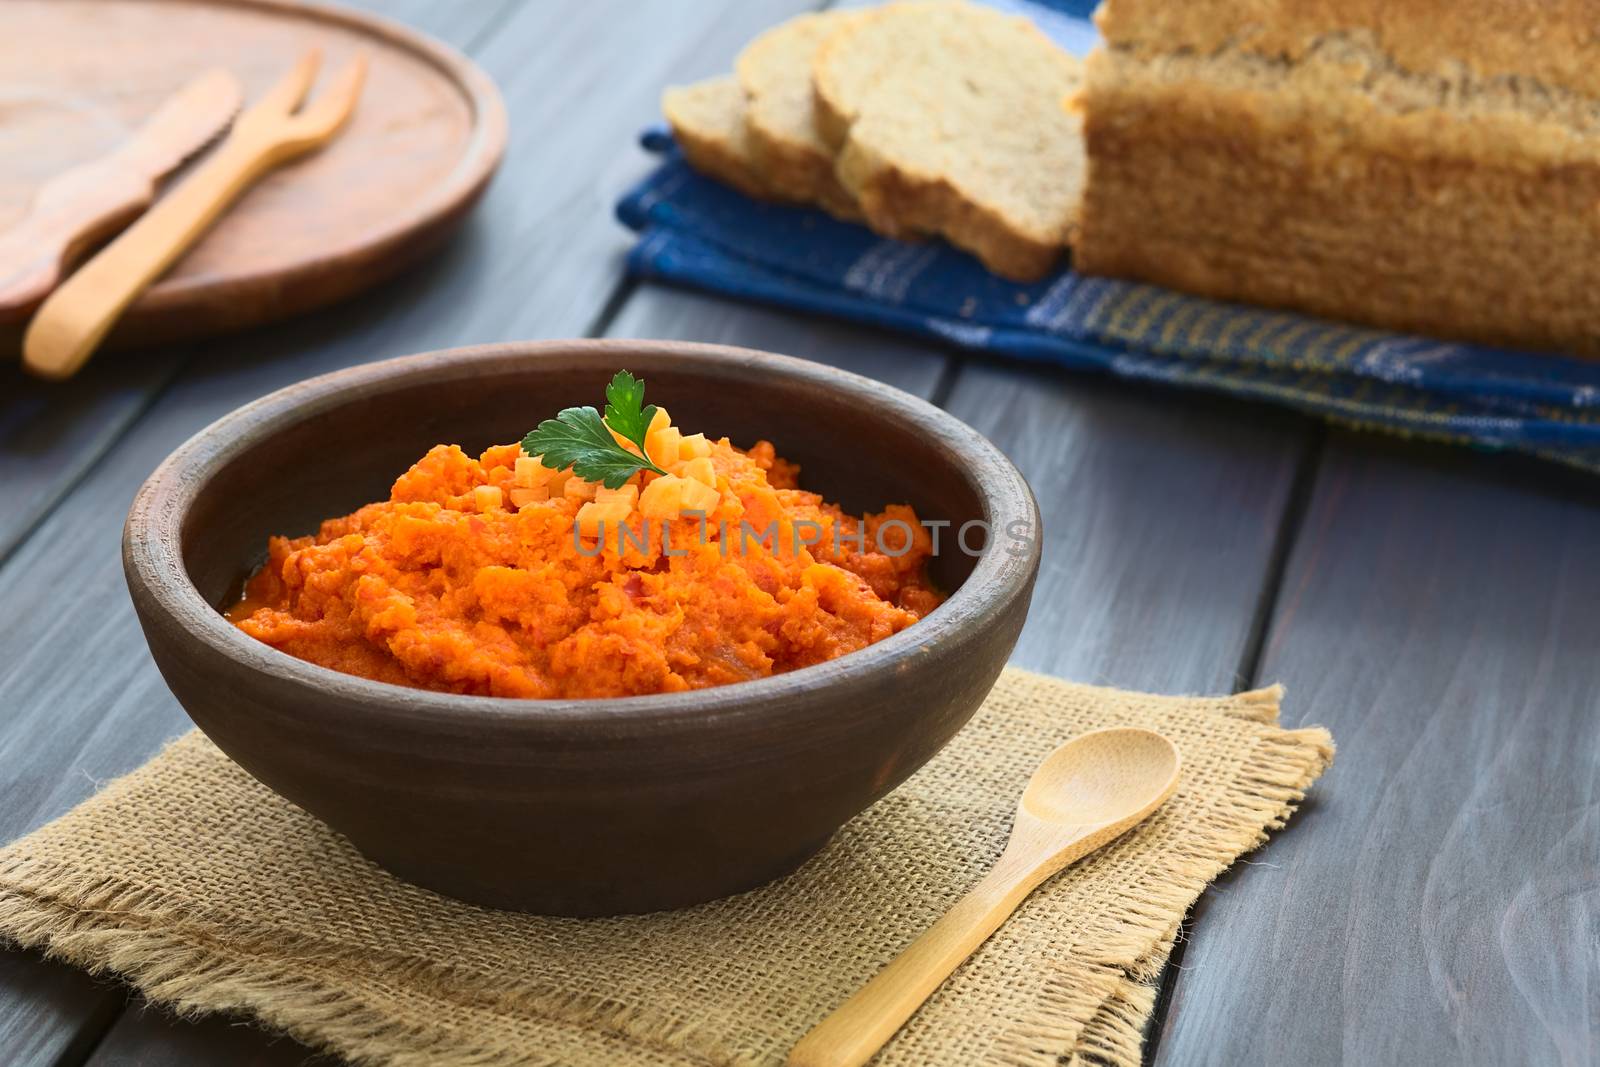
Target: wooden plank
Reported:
point(1438, 899)
point(462, 24)
point(1160, 513)
point(83, 701)
point(681, 314)
point(148, 1036)
point(37, 996)
point(50, 432)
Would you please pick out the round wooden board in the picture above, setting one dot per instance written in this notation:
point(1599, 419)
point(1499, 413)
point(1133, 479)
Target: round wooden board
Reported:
point(77, 76)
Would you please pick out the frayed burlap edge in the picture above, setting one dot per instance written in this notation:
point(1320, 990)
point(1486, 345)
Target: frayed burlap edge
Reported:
point(192, 967)
point(183, 964)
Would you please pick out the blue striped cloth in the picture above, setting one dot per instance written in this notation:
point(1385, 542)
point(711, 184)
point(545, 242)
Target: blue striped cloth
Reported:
point(697, 232)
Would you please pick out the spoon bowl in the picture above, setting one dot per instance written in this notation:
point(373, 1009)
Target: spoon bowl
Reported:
point(1112, 778)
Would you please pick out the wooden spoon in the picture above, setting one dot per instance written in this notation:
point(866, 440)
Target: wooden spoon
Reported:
point(74, 319)
point(1085, 794)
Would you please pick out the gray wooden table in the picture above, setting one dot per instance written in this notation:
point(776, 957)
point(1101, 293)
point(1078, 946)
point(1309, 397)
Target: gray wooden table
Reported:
point(1436, 901)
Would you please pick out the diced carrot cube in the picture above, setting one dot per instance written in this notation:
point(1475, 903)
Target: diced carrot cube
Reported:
point(698, 496)
point(662, 444)
point(700, 470)
point(578, 489)
point(556, 480)
point(662, 497)
point(659, 421)
point(522, 496)
point(593, 517)
point(694, 446)
point(486, 497)
point(529, 472)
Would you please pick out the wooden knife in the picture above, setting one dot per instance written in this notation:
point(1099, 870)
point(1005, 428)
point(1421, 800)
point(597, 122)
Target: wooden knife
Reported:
point(82, 205)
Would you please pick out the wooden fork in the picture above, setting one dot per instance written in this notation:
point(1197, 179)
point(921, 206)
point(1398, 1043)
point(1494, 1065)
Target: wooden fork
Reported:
point(77, 316)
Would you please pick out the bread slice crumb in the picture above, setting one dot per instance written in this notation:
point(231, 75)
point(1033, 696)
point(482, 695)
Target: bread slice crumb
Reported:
point(947, 116)
point(774, 70)
point(708, 120)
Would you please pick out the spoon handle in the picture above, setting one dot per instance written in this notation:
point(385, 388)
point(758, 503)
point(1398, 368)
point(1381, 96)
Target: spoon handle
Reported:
point(860, 1026)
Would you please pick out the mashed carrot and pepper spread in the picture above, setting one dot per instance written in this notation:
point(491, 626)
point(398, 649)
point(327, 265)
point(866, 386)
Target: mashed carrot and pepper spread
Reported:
point(499, 575)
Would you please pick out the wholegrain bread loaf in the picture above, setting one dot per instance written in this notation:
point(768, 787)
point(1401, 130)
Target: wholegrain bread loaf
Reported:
point(708, 120)
point(1419, 166)
point(947, 120)
point(774, 71)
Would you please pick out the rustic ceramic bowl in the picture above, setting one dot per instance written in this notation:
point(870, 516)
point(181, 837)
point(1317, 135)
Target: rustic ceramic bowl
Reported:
point(580, 807)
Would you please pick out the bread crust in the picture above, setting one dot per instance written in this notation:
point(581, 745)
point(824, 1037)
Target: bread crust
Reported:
point(890, 194)
point(1553, 41)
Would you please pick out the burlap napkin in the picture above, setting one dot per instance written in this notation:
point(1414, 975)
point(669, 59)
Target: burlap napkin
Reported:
point(209, 893)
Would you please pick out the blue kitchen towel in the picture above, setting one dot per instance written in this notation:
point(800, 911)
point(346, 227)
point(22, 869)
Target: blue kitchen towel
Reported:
point(695, 231)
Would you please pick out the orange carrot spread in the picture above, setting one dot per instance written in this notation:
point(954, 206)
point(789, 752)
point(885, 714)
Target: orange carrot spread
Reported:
point(502, 576)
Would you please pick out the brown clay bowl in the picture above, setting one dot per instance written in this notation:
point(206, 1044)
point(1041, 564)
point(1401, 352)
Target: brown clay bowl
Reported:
point(582, 807)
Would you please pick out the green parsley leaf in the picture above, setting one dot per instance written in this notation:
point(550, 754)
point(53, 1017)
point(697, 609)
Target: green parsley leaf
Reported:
point(624, 414)
point(578, 437)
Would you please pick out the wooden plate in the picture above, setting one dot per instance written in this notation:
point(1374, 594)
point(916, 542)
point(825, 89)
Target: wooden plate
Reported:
point(77, 76)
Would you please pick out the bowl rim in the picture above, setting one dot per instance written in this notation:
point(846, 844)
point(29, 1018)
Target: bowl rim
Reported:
point(153, 559)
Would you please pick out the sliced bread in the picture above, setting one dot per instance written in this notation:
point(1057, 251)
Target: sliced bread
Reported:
point(775, 72)
point(708, 120)
point(948, 119)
